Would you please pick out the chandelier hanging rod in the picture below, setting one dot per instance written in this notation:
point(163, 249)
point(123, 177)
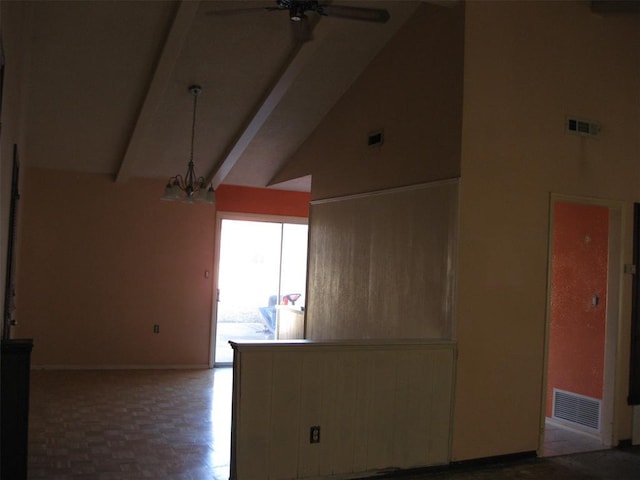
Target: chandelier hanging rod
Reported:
point(195, 188)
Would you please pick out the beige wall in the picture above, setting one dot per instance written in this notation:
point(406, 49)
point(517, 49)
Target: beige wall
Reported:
point(100, 263)
point(528, 65)
point(413, 91)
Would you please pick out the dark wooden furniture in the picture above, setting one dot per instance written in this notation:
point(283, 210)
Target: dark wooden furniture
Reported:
point(14, 407)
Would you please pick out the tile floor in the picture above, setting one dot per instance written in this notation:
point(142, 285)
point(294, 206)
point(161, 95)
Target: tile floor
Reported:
point(559, 440)
point(175, 425)
point(616, 464)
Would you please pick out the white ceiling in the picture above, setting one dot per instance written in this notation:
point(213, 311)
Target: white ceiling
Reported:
point(107, 85)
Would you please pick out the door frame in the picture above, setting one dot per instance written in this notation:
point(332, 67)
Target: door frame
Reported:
point(247, 217)
point(615, 270)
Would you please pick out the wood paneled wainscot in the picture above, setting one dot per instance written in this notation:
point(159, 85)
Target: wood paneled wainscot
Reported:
point(380, 405)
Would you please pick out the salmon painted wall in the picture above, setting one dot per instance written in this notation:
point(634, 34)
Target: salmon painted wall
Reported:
point(14, 33)
point(100, 263)
point(579, 271)
point(263, 201)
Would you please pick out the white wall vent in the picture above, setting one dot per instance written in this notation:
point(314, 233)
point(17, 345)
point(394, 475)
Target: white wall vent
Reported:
point(576, 408)
point(583, 127)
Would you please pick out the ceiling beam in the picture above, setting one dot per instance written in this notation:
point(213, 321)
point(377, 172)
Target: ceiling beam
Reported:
point(182, 21)
point(302, 52)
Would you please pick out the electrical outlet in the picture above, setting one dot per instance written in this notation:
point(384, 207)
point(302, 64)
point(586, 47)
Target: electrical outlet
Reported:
point(156, 328)
point(314, 434)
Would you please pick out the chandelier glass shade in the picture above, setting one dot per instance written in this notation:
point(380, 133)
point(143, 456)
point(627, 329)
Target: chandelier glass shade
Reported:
point(190, 188)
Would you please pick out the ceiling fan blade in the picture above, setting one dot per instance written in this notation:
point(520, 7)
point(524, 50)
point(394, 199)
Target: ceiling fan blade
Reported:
point(377, 15)
point(240, 11)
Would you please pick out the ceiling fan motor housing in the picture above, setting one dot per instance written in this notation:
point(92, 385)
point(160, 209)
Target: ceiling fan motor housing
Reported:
point(297, 8)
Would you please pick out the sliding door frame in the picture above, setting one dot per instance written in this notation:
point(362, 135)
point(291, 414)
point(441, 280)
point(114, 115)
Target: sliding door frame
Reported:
point(246, 217)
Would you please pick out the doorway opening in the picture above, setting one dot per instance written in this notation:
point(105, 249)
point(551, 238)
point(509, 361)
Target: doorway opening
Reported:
point(582, 325)
point(261, 281)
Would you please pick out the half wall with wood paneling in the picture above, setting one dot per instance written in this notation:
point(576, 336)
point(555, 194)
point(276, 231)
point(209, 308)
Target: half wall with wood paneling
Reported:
point(381, 265)
point(378, 406)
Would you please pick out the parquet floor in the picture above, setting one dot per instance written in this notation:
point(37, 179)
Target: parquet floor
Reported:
point(175, 425)
point(126, 424)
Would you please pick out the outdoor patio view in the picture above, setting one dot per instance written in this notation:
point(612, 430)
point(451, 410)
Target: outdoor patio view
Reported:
point(262, 270)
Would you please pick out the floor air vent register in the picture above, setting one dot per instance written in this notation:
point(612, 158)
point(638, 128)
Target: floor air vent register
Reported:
point(576, 409)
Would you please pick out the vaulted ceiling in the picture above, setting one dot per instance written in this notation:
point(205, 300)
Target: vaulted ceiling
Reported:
point(106, 85)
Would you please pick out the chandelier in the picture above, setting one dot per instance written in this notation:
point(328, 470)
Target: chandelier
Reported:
point(190, 188)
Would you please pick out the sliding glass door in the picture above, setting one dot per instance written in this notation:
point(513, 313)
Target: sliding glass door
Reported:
point(261, 282)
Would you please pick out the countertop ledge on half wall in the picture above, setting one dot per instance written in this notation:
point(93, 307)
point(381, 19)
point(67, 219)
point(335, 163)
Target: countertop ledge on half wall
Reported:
point(339, 344)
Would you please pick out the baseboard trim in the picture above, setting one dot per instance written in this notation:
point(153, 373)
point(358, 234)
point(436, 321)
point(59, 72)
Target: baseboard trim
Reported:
point(497, 459)
point(458, 465)
point(203, 366)
point(402, 472)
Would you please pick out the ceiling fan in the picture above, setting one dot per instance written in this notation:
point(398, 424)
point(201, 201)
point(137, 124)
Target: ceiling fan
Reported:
point(298, 8)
